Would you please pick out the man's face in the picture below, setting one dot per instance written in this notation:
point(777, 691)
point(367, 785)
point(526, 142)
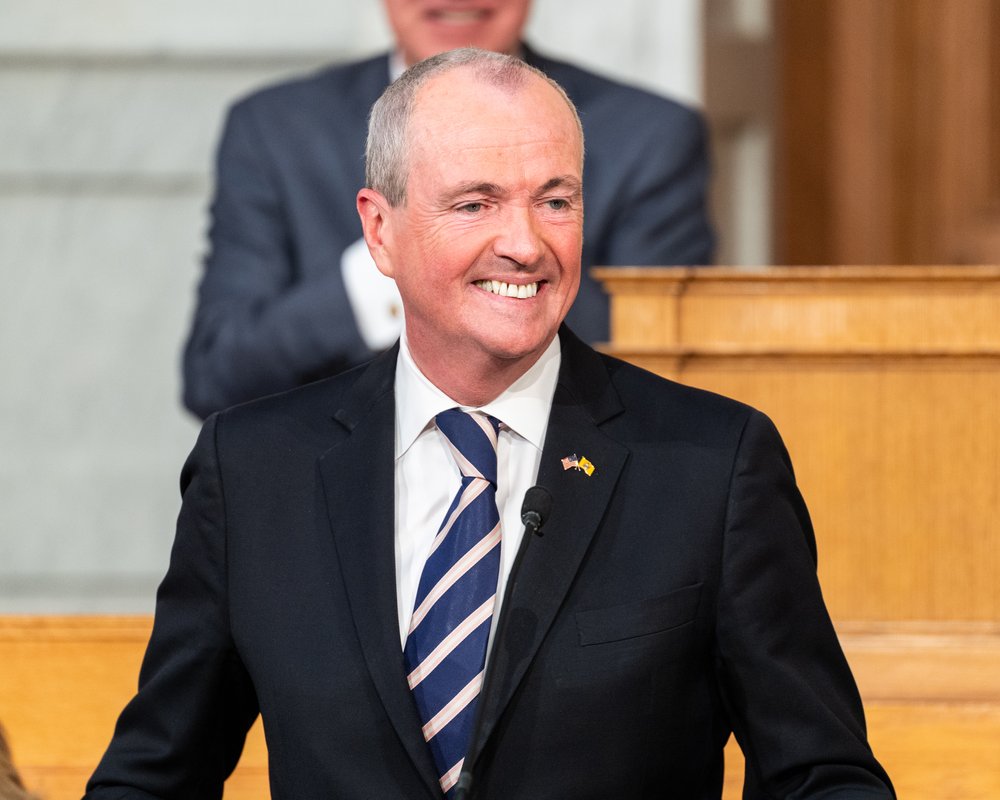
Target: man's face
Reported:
point(424, 28)
point(494, 208)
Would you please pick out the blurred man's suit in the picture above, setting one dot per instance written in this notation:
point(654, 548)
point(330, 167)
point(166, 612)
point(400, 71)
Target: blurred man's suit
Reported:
point(672, 597)
point(272, 310)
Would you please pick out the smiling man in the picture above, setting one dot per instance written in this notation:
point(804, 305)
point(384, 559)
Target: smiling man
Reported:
point(484, 241)
point(352, 560)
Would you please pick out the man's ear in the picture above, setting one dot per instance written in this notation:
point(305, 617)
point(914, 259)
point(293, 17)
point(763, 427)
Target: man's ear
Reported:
point(376, 222)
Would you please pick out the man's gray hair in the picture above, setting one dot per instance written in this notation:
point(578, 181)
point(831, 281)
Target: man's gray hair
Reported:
point(386, 167)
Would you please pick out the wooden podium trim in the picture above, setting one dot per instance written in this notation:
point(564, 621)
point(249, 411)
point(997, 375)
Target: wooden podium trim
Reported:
point(831, 278)
point(857, 311)
point(987, 355)
point(75, 628)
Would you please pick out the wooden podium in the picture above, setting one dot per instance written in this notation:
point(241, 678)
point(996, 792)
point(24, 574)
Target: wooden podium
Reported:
point(885, 383)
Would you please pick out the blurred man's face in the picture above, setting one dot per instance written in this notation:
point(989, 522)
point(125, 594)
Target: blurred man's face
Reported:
point(424, 28)
point(486, 248)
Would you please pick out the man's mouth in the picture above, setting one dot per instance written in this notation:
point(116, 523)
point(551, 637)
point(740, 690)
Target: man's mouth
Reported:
point(458, 16)
point(518, 290)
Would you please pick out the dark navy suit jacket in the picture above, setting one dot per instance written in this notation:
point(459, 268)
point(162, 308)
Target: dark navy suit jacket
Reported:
point(672, 599)
point(272, 312)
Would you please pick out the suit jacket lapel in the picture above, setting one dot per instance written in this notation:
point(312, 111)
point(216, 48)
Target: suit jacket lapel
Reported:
point(583, 400)
point(360, 468)
point(358, 477)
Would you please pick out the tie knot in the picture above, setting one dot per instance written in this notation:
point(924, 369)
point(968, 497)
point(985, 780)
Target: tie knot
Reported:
point(472, 439)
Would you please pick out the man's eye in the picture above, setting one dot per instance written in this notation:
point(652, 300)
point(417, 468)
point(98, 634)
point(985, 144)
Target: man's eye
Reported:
point(557, 204)
point(471, 208)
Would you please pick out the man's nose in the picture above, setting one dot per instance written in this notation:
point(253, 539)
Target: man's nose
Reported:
point(519, 238)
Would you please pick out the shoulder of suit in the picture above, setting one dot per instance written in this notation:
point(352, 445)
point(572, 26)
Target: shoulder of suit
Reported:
point(671, 402)
point(311, 406)
point(598, 94)
point(356, 81)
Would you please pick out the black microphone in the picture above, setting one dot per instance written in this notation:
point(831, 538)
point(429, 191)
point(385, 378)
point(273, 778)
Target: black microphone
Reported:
point(535, 510)
point(536, 507)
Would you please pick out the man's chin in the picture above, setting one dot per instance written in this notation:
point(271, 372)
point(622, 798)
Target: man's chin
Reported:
point(518, 346)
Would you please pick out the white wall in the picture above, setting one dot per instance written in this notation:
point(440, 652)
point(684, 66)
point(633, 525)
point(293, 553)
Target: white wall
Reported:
point(109, 110)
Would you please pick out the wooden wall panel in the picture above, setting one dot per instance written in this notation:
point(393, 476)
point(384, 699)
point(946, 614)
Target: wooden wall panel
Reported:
point(906, 514)
point(886, 128)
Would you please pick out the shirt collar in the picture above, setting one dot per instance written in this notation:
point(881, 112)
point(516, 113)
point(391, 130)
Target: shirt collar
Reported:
point(523, 406)
point(397, 65)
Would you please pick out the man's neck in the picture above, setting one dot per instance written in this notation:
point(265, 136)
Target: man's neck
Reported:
point(474, 387)
point(473, 382)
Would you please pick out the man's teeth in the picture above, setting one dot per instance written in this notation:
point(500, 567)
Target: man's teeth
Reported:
point(459, 17)
point(520, 290)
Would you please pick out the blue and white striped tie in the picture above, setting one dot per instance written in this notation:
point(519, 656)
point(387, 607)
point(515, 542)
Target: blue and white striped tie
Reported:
point(445, 650)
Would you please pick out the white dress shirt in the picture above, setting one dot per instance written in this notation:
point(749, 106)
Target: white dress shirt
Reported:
point(427, 477)
point(374, 298)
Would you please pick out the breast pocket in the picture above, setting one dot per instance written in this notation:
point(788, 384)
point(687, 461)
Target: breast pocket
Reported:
point(624, 650)
point(639, 618)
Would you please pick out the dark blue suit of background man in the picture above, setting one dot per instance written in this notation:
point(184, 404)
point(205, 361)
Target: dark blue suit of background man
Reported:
point(272, 309)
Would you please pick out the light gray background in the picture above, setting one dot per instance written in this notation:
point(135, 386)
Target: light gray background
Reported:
point(109, 112)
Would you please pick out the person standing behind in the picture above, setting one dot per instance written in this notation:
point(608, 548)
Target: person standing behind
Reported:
point(289, 293)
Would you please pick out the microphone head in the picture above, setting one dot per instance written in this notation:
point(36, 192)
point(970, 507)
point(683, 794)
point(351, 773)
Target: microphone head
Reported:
point(536, 507)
